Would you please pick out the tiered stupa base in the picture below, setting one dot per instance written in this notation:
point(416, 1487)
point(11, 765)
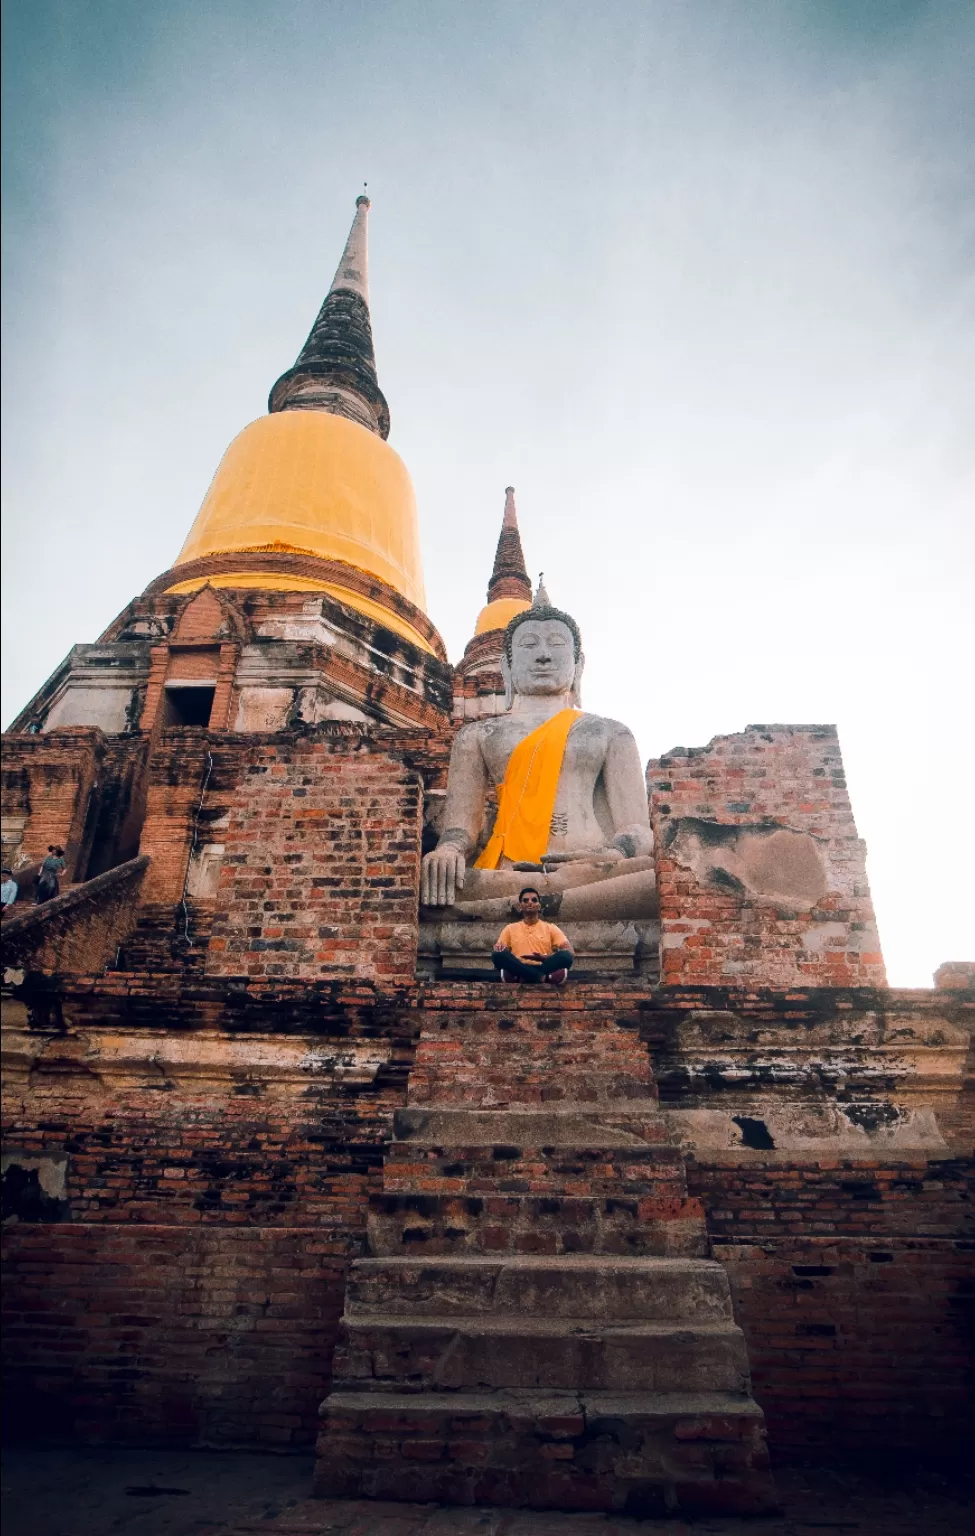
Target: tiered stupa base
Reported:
point(539, 1325)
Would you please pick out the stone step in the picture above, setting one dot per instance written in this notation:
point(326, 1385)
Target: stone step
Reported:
point(387, 1352)
point(401, 1225)
point(679, 1290)
point(656, 1171)
point(638, 1123)
point(641, 1454)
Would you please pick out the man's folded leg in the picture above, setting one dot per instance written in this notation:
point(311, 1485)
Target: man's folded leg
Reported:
point(511, 968)
point(556, 966)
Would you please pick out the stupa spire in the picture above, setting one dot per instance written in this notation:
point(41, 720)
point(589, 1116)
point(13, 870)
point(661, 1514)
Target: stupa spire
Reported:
point(352, 271)
point(509, 577)
point(336, 368)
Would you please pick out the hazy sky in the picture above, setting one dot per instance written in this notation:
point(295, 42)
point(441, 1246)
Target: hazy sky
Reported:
point(697, 278)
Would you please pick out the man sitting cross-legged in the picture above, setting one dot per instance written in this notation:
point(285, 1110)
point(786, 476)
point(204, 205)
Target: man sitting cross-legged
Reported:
point(532, 950)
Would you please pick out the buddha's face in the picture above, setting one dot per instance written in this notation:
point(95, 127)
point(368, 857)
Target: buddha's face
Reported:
point(542, 657)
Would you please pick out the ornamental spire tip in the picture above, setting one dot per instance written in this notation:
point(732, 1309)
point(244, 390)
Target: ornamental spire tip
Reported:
point(509, 577)
point(352, 272)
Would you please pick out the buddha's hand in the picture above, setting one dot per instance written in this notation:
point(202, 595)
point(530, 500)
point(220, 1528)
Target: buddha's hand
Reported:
point(442, 875)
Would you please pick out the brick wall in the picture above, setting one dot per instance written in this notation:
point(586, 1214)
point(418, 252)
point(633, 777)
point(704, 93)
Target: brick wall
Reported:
point(853, 1282)
point(862, 1197)
point(219, 1146)
point(169, 1335)
point(321, 866)
point(851, 1268)
point(177, 774)
point(859, 1345)
point(183, 1283)
point(47, 781)
point(761, 875)
point(165, 1120)
point(82, 927)
point(77, 788)
point(113, 821)
point(254, 1149)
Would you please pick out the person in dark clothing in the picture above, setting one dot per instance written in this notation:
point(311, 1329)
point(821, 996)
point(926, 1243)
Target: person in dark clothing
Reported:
point(49, 879)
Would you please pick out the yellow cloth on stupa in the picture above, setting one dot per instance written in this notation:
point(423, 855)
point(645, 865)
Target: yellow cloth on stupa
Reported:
point(526, 799)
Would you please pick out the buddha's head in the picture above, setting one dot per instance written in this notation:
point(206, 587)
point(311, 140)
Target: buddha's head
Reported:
point(542, 654)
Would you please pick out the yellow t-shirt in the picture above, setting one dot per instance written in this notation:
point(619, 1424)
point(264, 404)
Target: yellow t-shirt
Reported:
point(540, 939)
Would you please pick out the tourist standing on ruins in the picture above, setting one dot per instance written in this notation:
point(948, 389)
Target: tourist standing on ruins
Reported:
point(8, 891)
point(48, 881)
point(532, 950)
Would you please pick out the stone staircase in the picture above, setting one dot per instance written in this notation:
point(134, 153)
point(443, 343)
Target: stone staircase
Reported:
point(539, 1324)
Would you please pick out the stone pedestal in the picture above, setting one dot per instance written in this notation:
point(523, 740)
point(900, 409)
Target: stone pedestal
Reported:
point(538, 1324)
point(609, 948)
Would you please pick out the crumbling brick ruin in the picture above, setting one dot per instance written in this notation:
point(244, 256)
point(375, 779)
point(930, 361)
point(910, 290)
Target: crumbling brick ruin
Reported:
point(283, 1165)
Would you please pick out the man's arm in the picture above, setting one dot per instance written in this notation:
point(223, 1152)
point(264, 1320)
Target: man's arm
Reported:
point(626, 795)
point(444, 868)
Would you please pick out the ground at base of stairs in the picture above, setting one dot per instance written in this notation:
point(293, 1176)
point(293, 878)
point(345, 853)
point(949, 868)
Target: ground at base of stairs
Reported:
point(49, 1492)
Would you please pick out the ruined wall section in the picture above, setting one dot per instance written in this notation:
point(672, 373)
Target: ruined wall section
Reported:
point(169, 1335)
point(299, 850)
point(825, 1134)
point(320, 869)
point(47, 785)
point(188, 1166)
point(184, 1181)
point(761, 875)
point(858, 1346)
point(75, 788)
point(81, 929)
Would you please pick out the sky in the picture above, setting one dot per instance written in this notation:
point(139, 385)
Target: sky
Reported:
point(697, 279)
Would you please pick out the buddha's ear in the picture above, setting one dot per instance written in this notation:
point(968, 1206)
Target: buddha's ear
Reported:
point(509, 692)
point(576, 691)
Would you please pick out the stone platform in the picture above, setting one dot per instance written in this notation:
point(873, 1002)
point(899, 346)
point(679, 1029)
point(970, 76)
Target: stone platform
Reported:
point(606, 948)
point(538, 1324)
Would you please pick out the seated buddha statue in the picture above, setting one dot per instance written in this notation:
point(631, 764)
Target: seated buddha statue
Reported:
point(572, 804)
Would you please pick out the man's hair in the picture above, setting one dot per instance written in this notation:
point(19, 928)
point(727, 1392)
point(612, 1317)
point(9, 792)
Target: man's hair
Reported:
point(544, 615)
point(528, 890)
